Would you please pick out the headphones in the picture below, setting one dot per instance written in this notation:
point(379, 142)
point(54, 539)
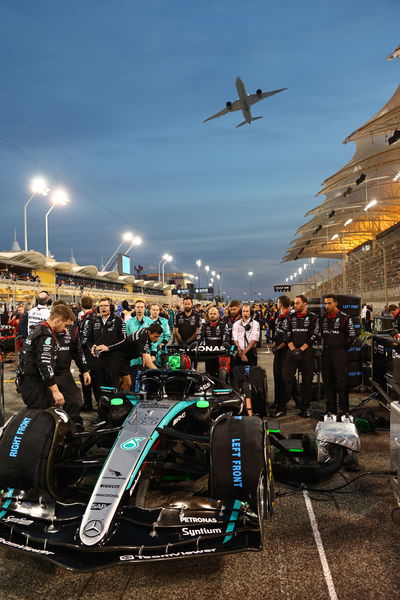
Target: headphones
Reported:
point(248, 326)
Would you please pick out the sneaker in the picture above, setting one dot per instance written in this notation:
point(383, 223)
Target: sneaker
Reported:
point(280, 413)
point(305, 414)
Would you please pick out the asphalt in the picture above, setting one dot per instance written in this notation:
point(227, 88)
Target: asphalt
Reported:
point(357, 536)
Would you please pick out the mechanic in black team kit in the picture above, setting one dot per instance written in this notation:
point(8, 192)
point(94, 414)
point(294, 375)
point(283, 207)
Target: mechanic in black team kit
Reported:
point(39, 388)
point(187, 323)
point(70, 348)
point(338, 335)
point(137, 345)
point(109, 330)
point(301, 330)
point(280, 350)
point(215, 333)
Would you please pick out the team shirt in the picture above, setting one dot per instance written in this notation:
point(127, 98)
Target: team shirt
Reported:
point(187, 324)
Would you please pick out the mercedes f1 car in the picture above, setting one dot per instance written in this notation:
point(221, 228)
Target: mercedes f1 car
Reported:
point(178, 470)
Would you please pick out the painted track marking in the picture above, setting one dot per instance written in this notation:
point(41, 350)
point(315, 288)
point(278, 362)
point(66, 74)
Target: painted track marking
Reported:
point(320, 547)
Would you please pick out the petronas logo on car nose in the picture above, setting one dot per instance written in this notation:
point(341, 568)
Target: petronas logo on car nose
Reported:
point(132, 443)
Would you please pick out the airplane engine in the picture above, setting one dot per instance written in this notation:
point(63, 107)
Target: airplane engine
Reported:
point(259, 92)
point(229, 105)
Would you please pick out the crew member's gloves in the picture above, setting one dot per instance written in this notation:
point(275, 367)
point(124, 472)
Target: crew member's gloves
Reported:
point(275, 349)
point(226, 345)
point(296, 355)
point(193, 346)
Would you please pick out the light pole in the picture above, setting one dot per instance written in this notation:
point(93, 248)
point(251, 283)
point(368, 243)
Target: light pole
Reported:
point(198, 265)
point(250, 274)
point(136, 241)
point(38, 187)
point(219, 286)
point(59, 198)
point(126, 237)
point(166, 258)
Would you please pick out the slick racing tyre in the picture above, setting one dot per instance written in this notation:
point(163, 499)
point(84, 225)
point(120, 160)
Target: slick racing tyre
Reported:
point(238, 462)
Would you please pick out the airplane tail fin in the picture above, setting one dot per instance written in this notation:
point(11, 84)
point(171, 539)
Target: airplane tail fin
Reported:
point(245, 122)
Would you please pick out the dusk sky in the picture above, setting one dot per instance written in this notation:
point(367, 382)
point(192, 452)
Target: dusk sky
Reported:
point(107, 99)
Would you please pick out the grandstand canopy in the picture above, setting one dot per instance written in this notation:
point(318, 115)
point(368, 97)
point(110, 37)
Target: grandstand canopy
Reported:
point(36, 260)
point(362, 199)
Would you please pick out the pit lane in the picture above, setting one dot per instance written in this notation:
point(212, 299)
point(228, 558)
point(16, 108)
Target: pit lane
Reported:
point(358, 538)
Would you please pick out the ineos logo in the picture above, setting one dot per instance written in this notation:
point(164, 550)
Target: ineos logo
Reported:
point(93, 528)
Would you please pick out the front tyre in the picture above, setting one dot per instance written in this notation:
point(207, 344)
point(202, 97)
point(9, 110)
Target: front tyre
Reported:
point(238, 454)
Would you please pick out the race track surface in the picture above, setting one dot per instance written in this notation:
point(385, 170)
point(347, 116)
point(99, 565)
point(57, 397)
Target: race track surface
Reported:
point(344, 546)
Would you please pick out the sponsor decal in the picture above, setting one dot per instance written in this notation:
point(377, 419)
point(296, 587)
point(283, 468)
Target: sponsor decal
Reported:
point(15, 444)
point(18, 520)
point(116, 473)
point(93, 528)
point(132, 443)
point(178, 418)
point(107, 485)
point(184, 519)
point(209, 348)
point(106, 495)
point(201, 531)
point(236, 463)
point(24, 547)
point(99, 505)
point(170, 555)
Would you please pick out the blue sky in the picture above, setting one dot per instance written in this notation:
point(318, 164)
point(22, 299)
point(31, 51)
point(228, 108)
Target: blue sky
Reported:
point(107, 100)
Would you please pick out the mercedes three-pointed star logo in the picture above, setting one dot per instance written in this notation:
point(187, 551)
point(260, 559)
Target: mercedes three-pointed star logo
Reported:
point(93, 528)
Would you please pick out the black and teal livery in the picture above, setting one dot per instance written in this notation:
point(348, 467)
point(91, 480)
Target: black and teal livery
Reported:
point(100, 504)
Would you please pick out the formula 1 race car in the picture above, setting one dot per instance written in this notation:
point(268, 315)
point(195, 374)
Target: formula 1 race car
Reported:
point(178, 470)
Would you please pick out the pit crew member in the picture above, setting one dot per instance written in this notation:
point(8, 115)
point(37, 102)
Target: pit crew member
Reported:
point(338, 335)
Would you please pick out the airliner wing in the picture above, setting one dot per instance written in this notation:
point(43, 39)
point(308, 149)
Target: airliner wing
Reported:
point(234, 106)
point(253, 98)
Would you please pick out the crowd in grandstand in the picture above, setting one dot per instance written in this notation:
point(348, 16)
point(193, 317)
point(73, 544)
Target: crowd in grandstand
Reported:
point(13, 276)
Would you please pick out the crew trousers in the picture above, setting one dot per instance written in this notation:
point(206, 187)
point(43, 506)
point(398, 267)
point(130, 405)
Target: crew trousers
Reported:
point(306, 368)
point(107, 370)
point(334, 377)
point(35, 393)
point(72, 394)
point(279, 382)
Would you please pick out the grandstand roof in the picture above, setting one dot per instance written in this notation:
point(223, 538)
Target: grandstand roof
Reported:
point(36, 260)
point(372, 174)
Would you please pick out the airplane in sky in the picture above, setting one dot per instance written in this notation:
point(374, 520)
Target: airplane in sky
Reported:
point(244, 102)
point(395, 54)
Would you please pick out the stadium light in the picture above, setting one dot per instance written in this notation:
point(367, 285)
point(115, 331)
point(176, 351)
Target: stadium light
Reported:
point(348, 222)
point(371, 204)
point(335, 237)
point(166, 258)
point(198, 265)
point(207, 268)
point(126, 237)
point(58, 198)
point(38, 188)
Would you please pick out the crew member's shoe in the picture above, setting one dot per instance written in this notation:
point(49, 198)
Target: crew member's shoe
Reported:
point(280, 413)
point(305, 414)
point(87, 407)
